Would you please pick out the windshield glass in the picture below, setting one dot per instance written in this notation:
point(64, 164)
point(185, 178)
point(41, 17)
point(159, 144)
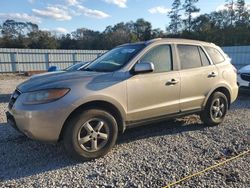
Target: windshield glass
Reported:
point(114, 59)
point(74, 67)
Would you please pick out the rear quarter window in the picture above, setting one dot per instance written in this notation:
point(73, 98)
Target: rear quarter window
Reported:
point(215, 55)
point(204, 59)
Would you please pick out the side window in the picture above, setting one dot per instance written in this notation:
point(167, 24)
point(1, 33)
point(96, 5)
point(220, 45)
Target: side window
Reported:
point(161, 57)
point(215, 55)
point(189, 56)
point(204, 59)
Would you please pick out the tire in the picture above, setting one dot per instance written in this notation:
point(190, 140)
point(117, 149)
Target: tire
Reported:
point(215, 110)
point(90, 134)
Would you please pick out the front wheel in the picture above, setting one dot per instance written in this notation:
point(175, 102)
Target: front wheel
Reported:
point(215, 109)
point(90, 134)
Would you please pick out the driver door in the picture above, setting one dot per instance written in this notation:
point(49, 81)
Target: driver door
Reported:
point(154, 94)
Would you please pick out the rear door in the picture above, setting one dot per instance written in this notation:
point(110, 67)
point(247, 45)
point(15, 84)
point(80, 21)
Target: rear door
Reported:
point(198, 76)
point(152, 94)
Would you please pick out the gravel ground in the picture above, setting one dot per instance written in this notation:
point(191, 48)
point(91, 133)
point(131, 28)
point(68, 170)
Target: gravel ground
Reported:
point(149, 156)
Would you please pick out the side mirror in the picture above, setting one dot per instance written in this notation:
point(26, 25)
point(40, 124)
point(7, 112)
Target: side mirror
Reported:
point(143, 67)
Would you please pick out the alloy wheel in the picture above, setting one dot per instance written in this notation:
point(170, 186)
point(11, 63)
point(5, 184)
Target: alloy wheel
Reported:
point(93, 135)
point(218, 109)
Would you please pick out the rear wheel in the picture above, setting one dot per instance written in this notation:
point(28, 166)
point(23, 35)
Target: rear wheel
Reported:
point(215, 109)
point(90, 134)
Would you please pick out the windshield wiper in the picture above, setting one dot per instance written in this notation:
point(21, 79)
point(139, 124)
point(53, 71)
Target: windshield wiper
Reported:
point(96, 70)
point(88, 69)
point(102, 70)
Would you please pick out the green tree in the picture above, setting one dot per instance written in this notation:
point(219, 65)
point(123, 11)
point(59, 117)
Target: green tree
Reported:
point(230, 4)
point(42, 40)
point(242, 14)
point(14, 34)
point(175, 18)
point(86, 38)
point(189, 8)
point(221, 19)
point(13, 29)
point(66, 42)
point(158, 33)
point(119, 34)
point(142, 29)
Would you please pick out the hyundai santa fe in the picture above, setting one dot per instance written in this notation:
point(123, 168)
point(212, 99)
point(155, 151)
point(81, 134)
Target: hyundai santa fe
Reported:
point(130, 85)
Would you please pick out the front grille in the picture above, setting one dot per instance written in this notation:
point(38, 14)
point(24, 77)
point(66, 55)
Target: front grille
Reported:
point(14, 97)
point(245, 76)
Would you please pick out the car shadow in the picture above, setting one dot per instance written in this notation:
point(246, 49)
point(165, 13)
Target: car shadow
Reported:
point(21, 157)
point(164, 128)
point(242, 102)
point(4, 98)
point(244, 94)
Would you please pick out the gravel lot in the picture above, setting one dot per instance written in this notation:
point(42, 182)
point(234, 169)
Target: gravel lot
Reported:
point(149, 156)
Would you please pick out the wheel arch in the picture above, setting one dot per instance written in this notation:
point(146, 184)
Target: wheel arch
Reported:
point(222, 89)
point(98, 104)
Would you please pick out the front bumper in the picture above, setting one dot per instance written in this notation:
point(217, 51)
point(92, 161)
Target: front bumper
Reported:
point(39, 122)
point(11, 121)
point(243, 83)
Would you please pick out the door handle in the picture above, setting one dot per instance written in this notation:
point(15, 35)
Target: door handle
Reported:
point(172, 82)
point(212, 75)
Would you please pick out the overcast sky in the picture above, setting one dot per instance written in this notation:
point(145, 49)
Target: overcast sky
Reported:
point(68, 15)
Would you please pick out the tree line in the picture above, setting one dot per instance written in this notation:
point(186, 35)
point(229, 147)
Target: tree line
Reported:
point(229, 26)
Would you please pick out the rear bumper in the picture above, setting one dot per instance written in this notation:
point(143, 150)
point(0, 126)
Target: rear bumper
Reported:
point(234, 93)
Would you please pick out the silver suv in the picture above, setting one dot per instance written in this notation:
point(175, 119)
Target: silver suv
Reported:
point(131, 84)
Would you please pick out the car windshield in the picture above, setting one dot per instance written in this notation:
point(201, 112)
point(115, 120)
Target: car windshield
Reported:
point(74, 67)
point(115, 58)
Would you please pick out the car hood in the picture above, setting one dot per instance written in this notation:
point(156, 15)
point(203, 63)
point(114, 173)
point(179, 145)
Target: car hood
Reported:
point(245, 69)
point(62, 79)
point(45, 74)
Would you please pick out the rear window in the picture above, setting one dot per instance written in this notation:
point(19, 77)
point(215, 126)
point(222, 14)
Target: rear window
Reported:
point(189, 56)
point(215, 55)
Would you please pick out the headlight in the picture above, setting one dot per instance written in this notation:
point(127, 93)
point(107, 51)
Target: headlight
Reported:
point(44, 96)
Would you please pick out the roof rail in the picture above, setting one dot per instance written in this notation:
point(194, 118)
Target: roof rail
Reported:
point(153, 40)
